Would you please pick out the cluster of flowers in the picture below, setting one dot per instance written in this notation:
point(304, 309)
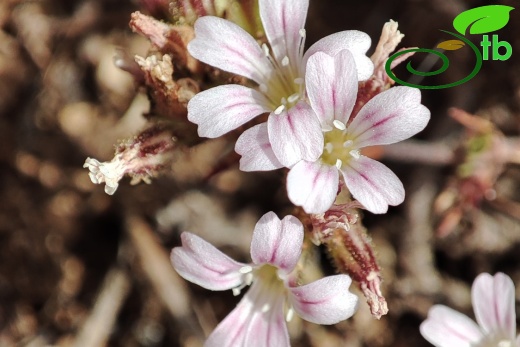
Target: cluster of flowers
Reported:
point(310, 98)
point(316, 127)
point(311, 129)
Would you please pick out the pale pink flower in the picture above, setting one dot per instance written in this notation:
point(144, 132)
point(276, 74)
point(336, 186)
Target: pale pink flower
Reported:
point(389, 117)
point(258, 320)
point(493, 300)
point(278, 70)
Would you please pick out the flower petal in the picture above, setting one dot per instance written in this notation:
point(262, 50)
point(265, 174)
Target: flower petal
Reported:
point(232, 331)
point(494, 304)
point(295, 134)
point(313, 185)
point(199, 262)
point(267, 326)
point(326, 301)
point(254, 147)
point(250, 324)
point(277, 242)
point(389, 117)
point(282, 22)
point(445, 327)
point(373, 184)
point(224, 108)
point(225, 45)
point(357, 42)
point(332, 86)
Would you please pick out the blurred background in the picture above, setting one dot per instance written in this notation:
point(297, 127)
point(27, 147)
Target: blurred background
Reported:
point(81, 268)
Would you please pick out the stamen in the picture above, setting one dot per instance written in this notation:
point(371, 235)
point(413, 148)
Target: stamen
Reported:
point(236, 291)
point(301, 45)
point(339, 163)
point(248, 279)
point(301, 85)
point(348, 143)
point(266, 49)
point(285, 61)
point(326, 128)
point(329, 147)
point(245, 269)
point(339, 125)
point(290, 314)
point(293, 98)
point(279, 109)
point(504, 343)
point(283, 101)
point(355, 153)
point(265, 308)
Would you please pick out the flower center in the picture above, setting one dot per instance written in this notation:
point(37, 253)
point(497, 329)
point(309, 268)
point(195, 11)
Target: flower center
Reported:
point(285, 87)
point(339, 148)
point(268, 274)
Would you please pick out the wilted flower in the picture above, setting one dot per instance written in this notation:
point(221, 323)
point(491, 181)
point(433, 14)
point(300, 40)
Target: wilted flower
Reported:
point(493, 300)
point(140, 157)
point(279, 72)
point(258, 320)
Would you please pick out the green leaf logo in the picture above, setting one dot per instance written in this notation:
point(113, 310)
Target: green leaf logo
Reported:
point(451, 45)
point(482, 20)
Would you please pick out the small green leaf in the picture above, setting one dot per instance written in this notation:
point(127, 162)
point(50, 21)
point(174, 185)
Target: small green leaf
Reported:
point(451, 45)
point(483, 19)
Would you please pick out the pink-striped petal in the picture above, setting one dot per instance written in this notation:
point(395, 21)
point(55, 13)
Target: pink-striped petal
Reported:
point(313, 185)
point(254, 147)
point(232, 331)
point(295, 134)
point(326, 301)
point(225, 45)
point(199, 262)
point(389, 117)
point(373, 184)
point(224, 108)
point(267, 327)
point(332, 86)
point(445, 327)
point(282, 22)
point(494, 304)
point(250, 324)
point(277, 242)
point(357, 42)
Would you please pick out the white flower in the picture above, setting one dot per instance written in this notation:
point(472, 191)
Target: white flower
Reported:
point(494, 305)
point(258, 320)
point(279, 72)
point(389, 117)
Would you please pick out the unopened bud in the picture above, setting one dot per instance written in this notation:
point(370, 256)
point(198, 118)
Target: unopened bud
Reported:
point(352, 252)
